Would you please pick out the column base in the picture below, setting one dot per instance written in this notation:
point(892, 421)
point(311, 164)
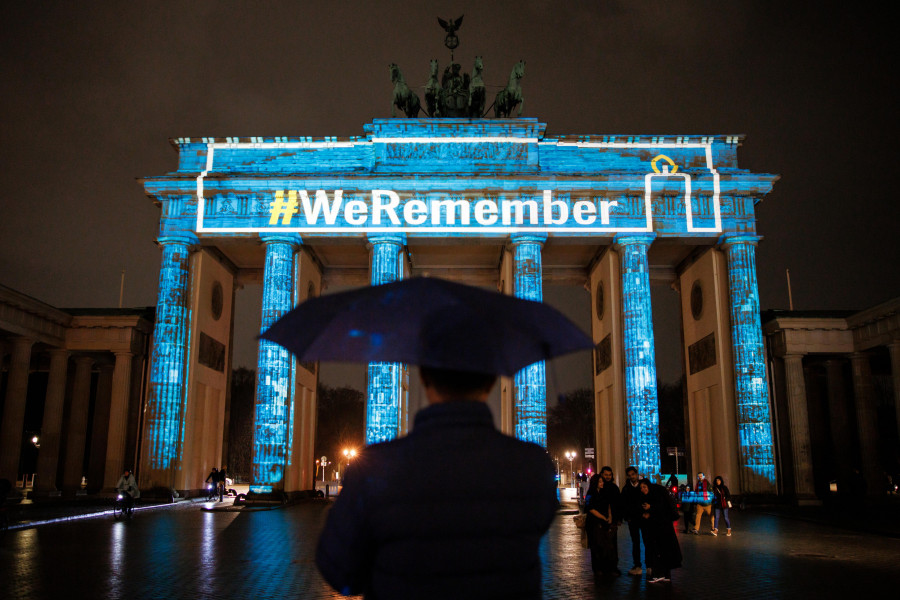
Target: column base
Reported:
point(807, 501)
point(273, 498)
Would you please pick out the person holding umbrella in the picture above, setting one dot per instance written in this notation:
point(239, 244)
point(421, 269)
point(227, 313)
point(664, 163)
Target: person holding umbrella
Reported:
point(428, 515)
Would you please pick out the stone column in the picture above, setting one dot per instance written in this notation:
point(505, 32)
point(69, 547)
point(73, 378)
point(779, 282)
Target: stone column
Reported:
point(164, 422)
point(530, 384)
point(754, 416)
point(273, 374)
point(894, 348)
point(118, 421)
point(14, 409)
point(51, 429)
point(100, 429)
point(383, 410)
point(73, 465)
point(804, 486)
point(866, 421)
point(641, 402)
point(3, 352)
point(841, 435)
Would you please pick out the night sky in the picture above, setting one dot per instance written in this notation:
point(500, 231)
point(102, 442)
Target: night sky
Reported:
point(93, 90)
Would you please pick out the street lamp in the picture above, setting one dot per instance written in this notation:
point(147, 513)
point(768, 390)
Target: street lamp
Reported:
point(349, 454)
point(571, 455)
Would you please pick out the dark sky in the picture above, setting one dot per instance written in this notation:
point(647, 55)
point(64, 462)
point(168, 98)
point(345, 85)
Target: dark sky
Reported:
point(93, 90)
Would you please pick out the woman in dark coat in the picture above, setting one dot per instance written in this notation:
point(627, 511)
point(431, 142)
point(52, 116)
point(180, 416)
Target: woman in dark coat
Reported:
point(600, 527)
point(659, 514)
point(721, 504)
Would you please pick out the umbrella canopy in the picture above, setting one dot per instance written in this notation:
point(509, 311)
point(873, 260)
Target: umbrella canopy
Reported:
point(428, 322)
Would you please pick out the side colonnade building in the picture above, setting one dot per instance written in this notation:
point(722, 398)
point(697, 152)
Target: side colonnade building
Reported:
point(84, 372)
point(495, 203)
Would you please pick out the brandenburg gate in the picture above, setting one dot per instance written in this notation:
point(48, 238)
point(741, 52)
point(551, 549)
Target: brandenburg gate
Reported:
point(491, 202)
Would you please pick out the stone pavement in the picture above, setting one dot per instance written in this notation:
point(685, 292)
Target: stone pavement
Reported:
point(184, 552)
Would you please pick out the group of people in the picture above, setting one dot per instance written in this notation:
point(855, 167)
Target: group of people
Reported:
point(650, 513)
point(217, 478)
point(713, 499)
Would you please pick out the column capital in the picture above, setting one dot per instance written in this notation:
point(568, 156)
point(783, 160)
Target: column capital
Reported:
point(525, 238)
point(184, 238)
point(83, 359)
point(631, 239)
point(22, 342)
point(386, 238)
point(58, 352)
point(793, 355)
point(284, 238)
point(732, 239)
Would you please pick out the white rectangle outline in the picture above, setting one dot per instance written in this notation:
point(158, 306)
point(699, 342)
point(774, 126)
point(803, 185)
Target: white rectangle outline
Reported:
point(211, 147)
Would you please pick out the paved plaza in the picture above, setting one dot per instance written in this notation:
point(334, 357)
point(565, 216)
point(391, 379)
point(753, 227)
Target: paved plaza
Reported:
point(182, 551)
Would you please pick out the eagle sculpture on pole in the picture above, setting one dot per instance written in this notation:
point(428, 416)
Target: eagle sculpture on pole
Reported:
point(451, 41)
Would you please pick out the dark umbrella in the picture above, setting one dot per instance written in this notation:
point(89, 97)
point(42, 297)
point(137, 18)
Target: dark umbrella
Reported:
point(428, 322)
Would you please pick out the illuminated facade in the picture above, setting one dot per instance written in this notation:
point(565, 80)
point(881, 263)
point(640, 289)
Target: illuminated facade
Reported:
point(489, 202)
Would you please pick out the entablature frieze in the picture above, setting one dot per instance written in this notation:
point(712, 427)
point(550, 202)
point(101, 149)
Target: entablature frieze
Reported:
point(25, 316)
point(405, 172)
point(108, 334)
point(809, 336)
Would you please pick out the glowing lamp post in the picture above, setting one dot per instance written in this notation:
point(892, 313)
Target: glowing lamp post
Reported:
point(571, 455)
point(349, 454)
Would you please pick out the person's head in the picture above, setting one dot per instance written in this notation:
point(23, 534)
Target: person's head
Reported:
point(718, 480)
point(645, 486)
point(442, 385)
point(700, 476)
point(126, 473)
point(632, 474)
point(606, 474)
point(215, 468)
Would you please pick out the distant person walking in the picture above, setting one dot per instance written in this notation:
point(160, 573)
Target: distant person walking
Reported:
point(687, 507)
point(220, 487)
point(704, 504)
point(659, 514)
point(631, 512)
point(722, 503)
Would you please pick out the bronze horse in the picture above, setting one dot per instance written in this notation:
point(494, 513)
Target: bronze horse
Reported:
point(476, 91)
point(433, 92)
point(511, 95)
point(404, 98)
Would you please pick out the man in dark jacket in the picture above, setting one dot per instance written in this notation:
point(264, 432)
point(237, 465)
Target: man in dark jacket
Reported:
point(428, 516)
point(631, 511)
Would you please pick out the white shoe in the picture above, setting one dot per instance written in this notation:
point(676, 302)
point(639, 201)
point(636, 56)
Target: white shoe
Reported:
point(659, 580)
point(714, 532)
point(728, 533)
point(636, 570)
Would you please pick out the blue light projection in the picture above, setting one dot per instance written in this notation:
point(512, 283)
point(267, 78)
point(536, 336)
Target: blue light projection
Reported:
point(641, 404)
point(383, 390)
point(530, 410)
point(474, 181)
point(168, 373)
point(756, 448)
point(273, 380)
